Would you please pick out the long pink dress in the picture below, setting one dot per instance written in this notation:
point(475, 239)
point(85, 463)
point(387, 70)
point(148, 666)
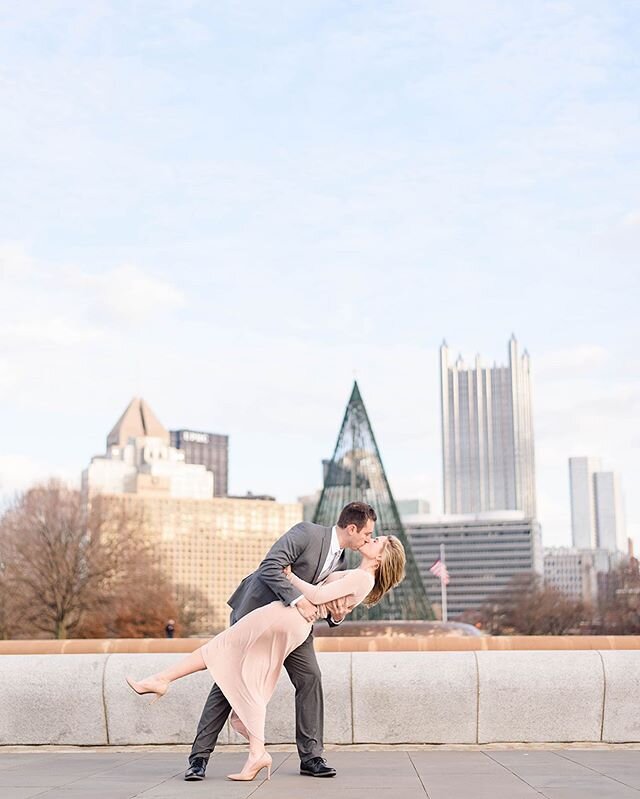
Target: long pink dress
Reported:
point(246, 659)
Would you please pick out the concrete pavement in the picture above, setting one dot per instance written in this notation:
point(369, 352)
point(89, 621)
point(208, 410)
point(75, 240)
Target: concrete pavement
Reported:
point(397, 773)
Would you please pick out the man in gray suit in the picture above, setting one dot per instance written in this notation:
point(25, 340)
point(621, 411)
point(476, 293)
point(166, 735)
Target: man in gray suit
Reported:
point(313, 552)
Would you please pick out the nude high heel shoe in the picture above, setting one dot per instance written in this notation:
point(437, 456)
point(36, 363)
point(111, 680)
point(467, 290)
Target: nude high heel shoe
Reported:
point(148, 687)
point(248, 774)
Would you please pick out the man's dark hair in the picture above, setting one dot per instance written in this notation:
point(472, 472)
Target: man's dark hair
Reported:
point(356, 513)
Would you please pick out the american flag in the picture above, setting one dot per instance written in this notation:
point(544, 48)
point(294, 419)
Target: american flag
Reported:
point(440, 570)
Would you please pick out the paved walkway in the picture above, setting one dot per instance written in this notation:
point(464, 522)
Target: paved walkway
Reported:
point(481, 773)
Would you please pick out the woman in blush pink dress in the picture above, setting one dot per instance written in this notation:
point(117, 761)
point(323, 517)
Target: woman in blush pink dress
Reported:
point(245, 660)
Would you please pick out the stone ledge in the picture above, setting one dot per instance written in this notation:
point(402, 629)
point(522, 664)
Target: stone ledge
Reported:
point(540, 696)
point(370, 698)
point(333, 642)
point(414, 697)
point(45, 699)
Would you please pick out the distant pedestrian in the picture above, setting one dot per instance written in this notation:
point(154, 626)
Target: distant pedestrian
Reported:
point(170, 628)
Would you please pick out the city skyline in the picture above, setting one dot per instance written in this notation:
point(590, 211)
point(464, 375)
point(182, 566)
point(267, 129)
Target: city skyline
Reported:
point(227, 212)
point(76, 479)
point(205, 544)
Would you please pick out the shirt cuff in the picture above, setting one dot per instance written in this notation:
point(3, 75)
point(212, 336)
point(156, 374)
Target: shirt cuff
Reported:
point(336, 622)
point(296, 600)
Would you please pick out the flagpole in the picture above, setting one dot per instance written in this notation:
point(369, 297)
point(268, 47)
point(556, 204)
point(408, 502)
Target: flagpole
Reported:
point(443, 586)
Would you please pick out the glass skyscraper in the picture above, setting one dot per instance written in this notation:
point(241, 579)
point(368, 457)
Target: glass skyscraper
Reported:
point(597, 517)
point(487, 435)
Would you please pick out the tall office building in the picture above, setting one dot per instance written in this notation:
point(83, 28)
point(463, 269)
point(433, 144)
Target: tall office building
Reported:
point(609, 514)
point(204, 544)
point(583, 504)
point(207, 449)
point(487, 435)
point(597, 518)
point(139, 456)
point(483, 552)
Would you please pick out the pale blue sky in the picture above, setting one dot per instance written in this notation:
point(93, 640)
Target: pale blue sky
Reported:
point(228, 208)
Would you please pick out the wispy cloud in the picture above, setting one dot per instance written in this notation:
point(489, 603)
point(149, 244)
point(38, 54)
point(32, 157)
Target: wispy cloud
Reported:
point(54, 317)
point(127, 294)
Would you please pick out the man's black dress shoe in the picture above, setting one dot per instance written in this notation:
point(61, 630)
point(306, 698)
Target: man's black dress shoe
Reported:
point(317, 767)
point(196, 769)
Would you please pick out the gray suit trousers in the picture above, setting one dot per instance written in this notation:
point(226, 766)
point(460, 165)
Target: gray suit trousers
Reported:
point(304, 672)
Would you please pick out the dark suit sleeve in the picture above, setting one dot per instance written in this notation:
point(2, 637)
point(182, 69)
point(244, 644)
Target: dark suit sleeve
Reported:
point(283, 553)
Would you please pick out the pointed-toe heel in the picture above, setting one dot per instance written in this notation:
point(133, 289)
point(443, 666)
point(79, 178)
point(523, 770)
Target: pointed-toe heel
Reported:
point(252, 773)
point(141, 689)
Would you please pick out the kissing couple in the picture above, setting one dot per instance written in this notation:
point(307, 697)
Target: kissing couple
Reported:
point(302, 578)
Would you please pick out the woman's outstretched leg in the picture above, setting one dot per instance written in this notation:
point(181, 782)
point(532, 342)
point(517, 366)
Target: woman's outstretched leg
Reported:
point(159, 682)
point(188, 665)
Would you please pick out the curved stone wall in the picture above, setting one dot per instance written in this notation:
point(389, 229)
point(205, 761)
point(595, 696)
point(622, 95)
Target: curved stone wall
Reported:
point(370, 697)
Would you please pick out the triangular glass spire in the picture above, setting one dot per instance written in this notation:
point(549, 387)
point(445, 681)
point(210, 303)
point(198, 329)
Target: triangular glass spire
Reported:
point(355, 473)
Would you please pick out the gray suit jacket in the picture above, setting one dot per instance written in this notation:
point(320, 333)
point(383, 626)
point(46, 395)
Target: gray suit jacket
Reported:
point(304, 547)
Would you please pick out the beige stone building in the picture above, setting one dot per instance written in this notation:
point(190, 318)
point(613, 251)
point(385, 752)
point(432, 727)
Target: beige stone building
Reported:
point(205, 545)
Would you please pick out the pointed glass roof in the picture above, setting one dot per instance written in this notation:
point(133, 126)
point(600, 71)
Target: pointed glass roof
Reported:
point(356, 473)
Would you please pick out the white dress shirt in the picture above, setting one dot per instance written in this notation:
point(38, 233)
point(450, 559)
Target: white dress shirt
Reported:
point(331, 561)
point(333, 555)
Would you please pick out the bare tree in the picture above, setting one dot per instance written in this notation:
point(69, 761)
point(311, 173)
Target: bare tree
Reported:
point(527, 607)
point(194, 611)
point(138, 598)
point(55, 566)
point(620, 600)
point(78, 569)
point(9, 611)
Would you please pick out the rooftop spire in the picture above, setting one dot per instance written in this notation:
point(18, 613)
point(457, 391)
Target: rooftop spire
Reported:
point(137, 420)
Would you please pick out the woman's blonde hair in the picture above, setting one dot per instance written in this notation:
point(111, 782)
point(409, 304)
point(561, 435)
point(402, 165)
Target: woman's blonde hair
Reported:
point(390, 571)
